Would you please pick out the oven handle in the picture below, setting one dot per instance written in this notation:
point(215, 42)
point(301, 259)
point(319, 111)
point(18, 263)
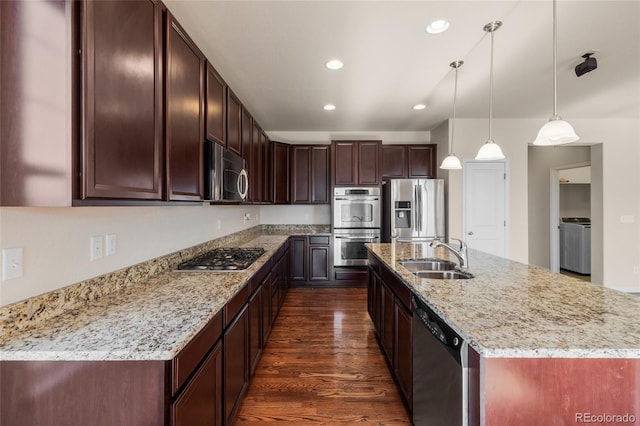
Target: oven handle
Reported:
point(356, 199)
point(356, 238)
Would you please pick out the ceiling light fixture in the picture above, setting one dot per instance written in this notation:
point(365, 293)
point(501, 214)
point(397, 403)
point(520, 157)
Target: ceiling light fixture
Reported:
point(490, 150)
point(334, 64)
point(329, 107)
point(556, 131)
point(451, 162)
point(419, 106)
point(437, 27)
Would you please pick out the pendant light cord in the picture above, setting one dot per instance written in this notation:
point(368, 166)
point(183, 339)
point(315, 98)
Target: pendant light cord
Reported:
point(555, 61)
point(491, 89)
point(453, 125)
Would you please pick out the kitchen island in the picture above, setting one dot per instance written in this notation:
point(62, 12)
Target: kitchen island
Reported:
point(544, 348)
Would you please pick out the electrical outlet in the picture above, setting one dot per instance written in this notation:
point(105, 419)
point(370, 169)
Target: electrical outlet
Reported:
point(12, 263)
point(247, 216)
point(111, 244)
point(96, 247)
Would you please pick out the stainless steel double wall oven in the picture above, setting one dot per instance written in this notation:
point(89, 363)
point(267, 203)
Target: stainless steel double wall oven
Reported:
point(356, 221)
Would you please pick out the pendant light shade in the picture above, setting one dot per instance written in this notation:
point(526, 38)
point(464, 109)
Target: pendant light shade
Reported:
point(490, 150)
point(556, 131)
point(451, 162)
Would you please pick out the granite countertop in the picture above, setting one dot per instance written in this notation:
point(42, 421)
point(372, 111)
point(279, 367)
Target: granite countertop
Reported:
point(151, 320)
point(515, 310)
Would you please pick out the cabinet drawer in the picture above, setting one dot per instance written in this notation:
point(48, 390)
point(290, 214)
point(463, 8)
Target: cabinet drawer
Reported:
point(401, 291)
point(320, 240)
point(191, 355)
point(374, 263)
point(235, 305)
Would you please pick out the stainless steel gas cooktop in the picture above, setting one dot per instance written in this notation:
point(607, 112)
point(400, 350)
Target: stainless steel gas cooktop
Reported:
point(223, 259)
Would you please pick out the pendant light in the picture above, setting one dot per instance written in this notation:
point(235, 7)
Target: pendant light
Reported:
point(556, 131)
point(451, 162)
point(490, 150)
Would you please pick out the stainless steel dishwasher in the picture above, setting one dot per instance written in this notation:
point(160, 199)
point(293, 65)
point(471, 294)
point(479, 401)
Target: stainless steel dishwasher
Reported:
point(440, 371)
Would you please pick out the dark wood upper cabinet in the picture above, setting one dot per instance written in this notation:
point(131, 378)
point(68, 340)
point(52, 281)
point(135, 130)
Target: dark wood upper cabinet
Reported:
point(256, 173)
point(345, 163)
point(310, 174)
point(122, 118)
point(368, 162)
point(184, 114)
point(234, 107)
point(300, 174)
point(356, 163)
point(267, 177)
point(422, 161)
point(246, 137)
point(394, 161)
point(408, 161)
point(216, 107)
point(280, 173)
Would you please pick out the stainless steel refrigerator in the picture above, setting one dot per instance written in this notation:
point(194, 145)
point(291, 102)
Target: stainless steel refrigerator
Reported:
point(413, 210)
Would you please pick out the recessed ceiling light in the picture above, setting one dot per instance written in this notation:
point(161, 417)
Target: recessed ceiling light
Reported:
point(419, 106)
point(334, 64)
point(437, 27)
point(329, 107)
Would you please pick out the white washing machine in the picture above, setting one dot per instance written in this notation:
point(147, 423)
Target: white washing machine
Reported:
point(575, 244)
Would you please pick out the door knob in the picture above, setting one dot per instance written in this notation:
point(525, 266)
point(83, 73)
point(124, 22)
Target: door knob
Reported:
point(470, 232)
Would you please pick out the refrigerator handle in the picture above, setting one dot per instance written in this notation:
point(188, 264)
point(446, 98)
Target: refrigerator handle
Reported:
point(420, 212)
point(416, 208)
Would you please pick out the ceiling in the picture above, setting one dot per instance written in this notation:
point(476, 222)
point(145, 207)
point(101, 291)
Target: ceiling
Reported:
point(272, 54)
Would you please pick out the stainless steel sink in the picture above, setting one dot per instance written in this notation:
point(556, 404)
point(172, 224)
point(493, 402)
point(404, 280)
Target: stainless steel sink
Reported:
point(419, 265)
point(444, 275)
point(438, 269)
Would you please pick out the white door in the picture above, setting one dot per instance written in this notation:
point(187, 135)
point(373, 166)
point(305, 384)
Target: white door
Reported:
point(485, 202)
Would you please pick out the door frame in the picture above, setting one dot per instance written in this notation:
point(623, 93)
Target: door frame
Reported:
point(507, 209)
point(554, 212)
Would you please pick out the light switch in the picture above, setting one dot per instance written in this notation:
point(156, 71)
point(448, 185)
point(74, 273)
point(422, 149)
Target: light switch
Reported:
point(11, 263)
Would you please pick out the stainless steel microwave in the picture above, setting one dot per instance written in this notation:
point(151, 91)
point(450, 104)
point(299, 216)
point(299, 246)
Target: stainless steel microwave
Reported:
point(225, 174)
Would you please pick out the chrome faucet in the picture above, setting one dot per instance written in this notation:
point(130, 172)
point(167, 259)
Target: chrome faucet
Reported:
point(461, 254)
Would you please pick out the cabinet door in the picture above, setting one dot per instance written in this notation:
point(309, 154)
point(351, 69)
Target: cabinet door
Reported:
point(422, 161)
point(394, 161)
point(236, 368)
point(386, 320)
point(403, 359)
point(201, 401)
point(267, 165)
point(373, 299)
point(255, 329)
point(345, 163)
point(246, 137)
point(280, 173)
point(184, 121)
point(122, 117)
point(266, 308)
point(300, 176)
point(298, 255)
point(234, 142)
point(216, 106)
point(368, 161)
point(319, 268)
point(257, 162)
point(320, 185)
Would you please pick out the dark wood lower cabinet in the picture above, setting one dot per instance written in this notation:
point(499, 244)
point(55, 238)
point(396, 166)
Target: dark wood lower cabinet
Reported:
point(388, 304)
point(255, 330)
point(310, 259)
point(236, 367)
point(200, 403)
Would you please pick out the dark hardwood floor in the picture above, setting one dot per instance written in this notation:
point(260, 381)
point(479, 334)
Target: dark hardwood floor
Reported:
point(322, 365)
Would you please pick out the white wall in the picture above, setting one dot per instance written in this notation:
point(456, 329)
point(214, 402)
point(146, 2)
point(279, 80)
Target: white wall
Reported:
point(295, 215)
point(56, 240)
point(512, 136)
point(620, 139)
point(575, 200)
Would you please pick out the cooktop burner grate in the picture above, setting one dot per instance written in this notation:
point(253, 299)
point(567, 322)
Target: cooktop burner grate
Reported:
point(223, 259)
